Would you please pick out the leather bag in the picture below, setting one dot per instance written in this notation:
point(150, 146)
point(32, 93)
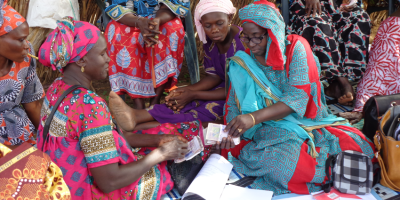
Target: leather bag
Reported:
point(388, 153)
point(375, 107)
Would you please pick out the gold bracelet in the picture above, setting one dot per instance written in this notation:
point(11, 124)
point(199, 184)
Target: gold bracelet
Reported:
point(254, 120)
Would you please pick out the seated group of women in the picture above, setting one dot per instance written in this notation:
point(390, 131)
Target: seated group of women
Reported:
point(274, 100)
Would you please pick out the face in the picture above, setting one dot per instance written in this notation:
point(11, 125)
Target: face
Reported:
point(216, 25)
point(251, 30)
point(14, 45)
point(96, 60)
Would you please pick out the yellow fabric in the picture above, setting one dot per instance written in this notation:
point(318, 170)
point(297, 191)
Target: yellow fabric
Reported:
point(36, 168)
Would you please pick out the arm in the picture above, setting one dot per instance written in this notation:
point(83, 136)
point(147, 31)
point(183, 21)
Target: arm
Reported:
point(114, 176)
point(165, 14)
point(32, 109)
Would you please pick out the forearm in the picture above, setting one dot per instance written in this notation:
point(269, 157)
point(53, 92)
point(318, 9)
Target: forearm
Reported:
point(129, 20)
point(218, 94)
point(33, 111)
point(114, 176)
point(143, 140)
point(207, 83)
point(274, 112)
point(165, 14)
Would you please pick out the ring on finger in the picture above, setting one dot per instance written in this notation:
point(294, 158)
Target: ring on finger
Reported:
point(240, 130)
point(176, 102)
point(156, 37)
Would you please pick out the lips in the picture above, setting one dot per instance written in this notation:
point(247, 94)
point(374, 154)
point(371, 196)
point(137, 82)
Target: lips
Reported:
point(217, 38)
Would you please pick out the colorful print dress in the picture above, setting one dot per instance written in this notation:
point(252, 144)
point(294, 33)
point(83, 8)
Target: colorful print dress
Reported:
point(21, 85)
point(82, 136)
point(383, 70)
point(340, 40)
point(133, 68)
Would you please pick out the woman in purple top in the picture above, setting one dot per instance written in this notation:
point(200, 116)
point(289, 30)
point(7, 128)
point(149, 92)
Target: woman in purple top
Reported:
point(204, 100)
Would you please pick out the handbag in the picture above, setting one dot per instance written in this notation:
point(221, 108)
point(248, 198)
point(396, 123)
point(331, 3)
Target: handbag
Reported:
point(184, 173)
point(375, 107)
point(388, 153)
point(352, 173)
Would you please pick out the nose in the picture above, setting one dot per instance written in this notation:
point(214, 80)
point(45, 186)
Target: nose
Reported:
point(26, 45)
point(252, 44)
point(107, 59)
point(214, 29)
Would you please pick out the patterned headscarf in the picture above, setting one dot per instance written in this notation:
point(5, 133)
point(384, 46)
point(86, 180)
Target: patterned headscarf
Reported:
point(265, 14)
point(9, 18)
point(68, 43)
point(209, 6)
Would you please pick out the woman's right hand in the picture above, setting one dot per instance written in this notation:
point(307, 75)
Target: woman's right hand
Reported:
point(239, 125)
point(174, 149)
point(148, 30)
point(313, 5)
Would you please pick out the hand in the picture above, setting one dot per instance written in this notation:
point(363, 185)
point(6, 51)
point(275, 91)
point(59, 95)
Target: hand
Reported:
point(344, 8)
point(169, 138)
point(313, 5)
point(243, 122)
point(353, 117)
point(173, 149)
point(178, 102)
point(226, 143)
point(149, 30)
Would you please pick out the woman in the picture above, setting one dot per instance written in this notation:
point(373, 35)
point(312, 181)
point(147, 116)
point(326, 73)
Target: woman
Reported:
point(145, 41)
point(383, 72)
point(95, 160)
point(276, 103)
point(204, 100)
point(19, 83)
point(339, 37)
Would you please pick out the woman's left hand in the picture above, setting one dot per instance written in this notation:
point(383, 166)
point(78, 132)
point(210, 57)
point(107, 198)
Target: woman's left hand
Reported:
point(239, 125)
point(178, 102)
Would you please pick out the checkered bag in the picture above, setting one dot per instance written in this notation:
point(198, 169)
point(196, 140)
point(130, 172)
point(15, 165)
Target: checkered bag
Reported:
point(352, 173)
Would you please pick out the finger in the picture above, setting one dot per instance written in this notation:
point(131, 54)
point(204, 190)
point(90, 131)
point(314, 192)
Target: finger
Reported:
point(155, 32)
point(319, 9)
point(314, 8)
point(153, 39)
point(232, 143)
point(183, 145)
point(223, 143)
point(153, 23)
point(234, 129)
point(308, 10)
point(230, 124)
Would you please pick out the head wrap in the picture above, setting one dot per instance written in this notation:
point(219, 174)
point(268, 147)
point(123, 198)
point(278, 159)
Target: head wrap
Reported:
point(9, 18)
point(68, 43)
point(265, 14)
point(209, 6)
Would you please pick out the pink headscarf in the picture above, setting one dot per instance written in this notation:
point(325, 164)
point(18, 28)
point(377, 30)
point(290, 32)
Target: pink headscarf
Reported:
point(68, 43)
point(209, 6)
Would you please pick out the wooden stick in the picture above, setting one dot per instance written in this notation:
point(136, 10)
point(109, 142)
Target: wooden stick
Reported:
point(32, 56)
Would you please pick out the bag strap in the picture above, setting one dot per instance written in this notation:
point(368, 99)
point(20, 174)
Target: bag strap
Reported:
point(46, 127)
point(329, 164)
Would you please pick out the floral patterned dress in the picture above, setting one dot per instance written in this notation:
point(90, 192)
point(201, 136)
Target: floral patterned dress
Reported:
point(82, 136)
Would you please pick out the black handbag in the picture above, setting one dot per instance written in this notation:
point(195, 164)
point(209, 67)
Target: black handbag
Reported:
point(184, 173)
point(375, 107)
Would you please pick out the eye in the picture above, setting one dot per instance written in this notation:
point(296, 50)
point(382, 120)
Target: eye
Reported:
point(220, 23)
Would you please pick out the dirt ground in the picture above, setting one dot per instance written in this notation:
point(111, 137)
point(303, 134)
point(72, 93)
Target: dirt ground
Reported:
point(103, 87)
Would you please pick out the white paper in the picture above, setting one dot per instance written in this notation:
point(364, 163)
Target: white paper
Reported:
point(232, 192)
point(210, 181)
point(45, 13)
point(211, 139)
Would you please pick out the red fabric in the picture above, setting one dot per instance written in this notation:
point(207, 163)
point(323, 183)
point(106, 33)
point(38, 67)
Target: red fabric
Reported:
point(235, 151)
point(303, 174)
point(12, 19)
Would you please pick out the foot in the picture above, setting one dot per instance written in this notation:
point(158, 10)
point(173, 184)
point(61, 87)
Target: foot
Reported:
point(122, 113)
point(353, 117)
point(346, 99)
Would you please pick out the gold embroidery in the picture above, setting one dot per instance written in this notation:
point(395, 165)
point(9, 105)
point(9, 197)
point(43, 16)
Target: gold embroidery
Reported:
point(208, 57)
point(210, 107)
point(234, 46)
point(197, 103)
point(211, 47)
point(148, 182)
point(150, 108)
point(98, 143)
point(17, 158)
point(209, 69)
point(195, 113)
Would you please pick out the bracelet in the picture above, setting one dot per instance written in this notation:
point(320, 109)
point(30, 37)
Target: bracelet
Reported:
point(138, 17)
point(254, 120)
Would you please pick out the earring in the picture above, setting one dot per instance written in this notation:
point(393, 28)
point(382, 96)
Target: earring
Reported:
point(82, 69)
